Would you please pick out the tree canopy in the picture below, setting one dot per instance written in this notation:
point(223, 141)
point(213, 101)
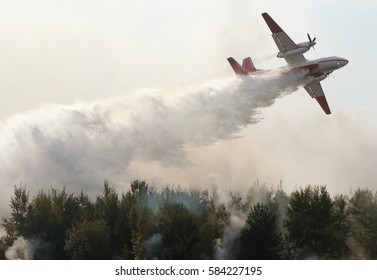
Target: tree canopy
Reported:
point(143, 223)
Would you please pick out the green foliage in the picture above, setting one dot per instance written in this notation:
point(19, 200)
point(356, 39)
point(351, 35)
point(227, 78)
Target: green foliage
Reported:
point(16, 224)
point(89, 241)
point(260, 238)
point(179, 229)
point(177, 224)
point(49, 215)
point(107, 209)
point(139, 218)
point(316, 224)
point(340, 228)
point(363, 209)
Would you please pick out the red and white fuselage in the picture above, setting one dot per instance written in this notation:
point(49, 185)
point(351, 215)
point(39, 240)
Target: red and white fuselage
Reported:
point(318, 68)
point(322, 67)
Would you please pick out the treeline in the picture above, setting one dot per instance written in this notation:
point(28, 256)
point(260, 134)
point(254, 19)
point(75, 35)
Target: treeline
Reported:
point(197, 224)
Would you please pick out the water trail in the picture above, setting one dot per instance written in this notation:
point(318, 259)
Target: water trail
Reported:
point(82, 144)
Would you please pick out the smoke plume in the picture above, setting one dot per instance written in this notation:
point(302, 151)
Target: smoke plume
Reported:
point(28, 249)
point(227, 248)
point(82, 144)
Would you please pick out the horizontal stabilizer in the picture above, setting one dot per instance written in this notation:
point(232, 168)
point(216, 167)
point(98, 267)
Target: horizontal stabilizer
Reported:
point(237, 68)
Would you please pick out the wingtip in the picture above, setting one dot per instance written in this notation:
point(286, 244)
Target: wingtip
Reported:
point(265, 15)
point(274, 27)
point(323, 103)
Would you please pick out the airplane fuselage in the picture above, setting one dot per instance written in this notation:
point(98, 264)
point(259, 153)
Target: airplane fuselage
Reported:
point(319, 69)
point(322, 67)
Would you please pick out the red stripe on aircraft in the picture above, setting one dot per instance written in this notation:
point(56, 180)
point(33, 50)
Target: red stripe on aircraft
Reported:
point(308, 67)
point(275, 28)
point(323, 102)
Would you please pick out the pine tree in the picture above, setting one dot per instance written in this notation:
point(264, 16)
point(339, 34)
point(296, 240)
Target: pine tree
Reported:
point(260, 238)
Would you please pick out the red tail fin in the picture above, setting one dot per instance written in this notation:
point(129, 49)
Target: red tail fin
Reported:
point(248, 65)
point(238, 69)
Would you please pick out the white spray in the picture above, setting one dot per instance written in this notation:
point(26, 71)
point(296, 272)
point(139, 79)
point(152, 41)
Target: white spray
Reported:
point(82, 144)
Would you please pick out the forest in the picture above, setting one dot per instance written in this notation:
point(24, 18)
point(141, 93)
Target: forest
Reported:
point(175, 223)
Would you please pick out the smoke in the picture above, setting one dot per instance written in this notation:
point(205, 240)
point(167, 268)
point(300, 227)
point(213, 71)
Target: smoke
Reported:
point(82, 144)
point(227, 248)
point(27, 249)
point(153, 246)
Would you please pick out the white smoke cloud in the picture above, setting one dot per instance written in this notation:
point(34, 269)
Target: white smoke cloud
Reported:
point(21, 249)
point(227, 248)
point(27, 249)
point(82, 144)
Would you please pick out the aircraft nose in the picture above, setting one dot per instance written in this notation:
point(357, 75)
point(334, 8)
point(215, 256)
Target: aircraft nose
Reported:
point(341, 62)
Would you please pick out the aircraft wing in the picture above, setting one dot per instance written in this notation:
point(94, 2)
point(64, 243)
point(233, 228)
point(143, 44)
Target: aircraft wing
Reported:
point(282, 40)
point(315, 91)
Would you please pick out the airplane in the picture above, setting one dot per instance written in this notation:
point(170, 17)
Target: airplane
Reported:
point(317, 70)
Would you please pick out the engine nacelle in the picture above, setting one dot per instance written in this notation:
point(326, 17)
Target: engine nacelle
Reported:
point(299, 50)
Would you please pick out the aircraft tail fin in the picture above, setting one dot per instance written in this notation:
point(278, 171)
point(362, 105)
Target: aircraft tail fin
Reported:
point(248, 65)
point(237, 68)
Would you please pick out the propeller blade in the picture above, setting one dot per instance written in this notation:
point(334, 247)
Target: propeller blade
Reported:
point(311, 42)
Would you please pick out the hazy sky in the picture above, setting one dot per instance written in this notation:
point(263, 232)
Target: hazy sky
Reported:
point(61, 52)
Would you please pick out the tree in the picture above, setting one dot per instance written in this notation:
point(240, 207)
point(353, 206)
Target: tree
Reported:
point(3, 248)
point(179, 229)
point(43, 219)
point(86, 208)
point(140, 191)
point(107, 205)
point(65, 213)
point(363, 209)
point(107, 209)
point(49, 215)
point(138, 218)
point(340, 228)
point(89, 241)
point(317, 225)
point(212, 222)
point(16, 224)
point(260, 238)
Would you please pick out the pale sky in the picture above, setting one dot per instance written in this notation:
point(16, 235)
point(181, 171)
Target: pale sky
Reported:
point(61, 52)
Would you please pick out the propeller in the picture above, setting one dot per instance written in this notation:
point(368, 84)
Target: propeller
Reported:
point(311, 42)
